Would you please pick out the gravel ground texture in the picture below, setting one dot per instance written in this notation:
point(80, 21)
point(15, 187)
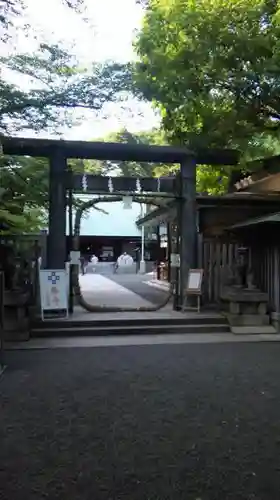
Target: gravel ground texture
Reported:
point(137, 283)
point(160, 422)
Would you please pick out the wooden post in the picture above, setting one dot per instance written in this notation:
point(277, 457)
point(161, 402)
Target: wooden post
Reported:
point(70, 224)
point(169, 243)
point(56, 248)
point(187, 222)
point(175, 238)
point(2, 320)
point(158, 254)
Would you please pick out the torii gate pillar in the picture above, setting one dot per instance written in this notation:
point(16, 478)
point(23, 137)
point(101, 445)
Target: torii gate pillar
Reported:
point(56, 247)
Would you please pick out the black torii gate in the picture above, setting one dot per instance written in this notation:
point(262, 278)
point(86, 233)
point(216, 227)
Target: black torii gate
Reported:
point(58, 151)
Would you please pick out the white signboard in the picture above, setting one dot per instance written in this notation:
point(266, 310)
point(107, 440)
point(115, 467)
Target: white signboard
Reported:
point(75, 256)
point(175, 260)
point(195, 280)
point(53, 290)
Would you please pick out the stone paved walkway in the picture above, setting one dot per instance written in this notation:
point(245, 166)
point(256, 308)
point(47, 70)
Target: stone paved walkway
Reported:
point(101, 291)
point(140, 340)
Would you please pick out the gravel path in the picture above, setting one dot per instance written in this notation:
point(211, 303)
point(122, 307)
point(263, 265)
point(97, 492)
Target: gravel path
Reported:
point(166, 422)
point(136, 283)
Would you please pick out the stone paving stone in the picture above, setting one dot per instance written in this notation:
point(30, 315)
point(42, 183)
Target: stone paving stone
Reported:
point(101, 291)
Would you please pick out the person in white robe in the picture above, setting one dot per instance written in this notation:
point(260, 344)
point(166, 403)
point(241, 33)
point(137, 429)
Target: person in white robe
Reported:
point(93, 261)
point(124, 260)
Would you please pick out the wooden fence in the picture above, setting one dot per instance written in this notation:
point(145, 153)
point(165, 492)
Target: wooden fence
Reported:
point(266, 266)
point(213, 255)
point(23, 244)
point(25, 252)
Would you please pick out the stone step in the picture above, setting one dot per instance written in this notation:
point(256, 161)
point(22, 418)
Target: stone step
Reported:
point(190, 319)
point(253, 330)
point(120, 330)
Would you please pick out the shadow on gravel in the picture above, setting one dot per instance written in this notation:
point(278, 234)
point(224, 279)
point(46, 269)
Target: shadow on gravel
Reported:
point(141, 423)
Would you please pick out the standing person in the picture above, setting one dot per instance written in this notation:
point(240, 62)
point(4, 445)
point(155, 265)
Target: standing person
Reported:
point(94, 261)
point(125, 260)
point(82, 262)
point(115, 266)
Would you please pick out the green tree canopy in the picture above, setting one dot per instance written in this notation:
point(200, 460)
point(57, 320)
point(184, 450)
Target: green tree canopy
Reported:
point(212, 67)
point(211, 179)
point(57, 86)
point(130, 168)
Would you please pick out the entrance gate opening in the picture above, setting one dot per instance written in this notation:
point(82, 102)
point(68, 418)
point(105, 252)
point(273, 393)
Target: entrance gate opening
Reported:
point(63, 181)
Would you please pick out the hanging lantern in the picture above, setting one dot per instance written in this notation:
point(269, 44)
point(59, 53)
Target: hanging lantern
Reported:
point(127, 202)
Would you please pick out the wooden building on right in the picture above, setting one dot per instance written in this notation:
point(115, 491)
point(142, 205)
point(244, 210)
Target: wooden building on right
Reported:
point(261, 235)
point(238, 238)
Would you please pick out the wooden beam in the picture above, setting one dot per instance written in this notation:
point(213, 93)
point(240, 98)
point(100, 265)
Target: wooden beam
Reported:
point(269, 184)
point(115, 151)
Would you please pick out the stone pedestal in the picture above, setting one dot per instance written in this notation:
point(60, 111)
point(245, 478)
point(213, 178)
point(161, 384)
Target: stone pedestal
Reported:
point(275, 321)
point(16, 316)
point(246, 310)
